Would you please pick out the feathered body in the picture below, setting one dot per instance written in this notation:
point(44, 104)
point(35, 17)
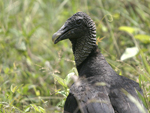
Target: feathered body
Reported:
point(99, 88)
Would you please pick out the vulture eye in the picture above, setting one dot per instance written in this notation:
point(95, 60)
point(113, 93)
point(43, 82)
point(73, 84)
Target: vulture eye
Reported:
point(78, 22)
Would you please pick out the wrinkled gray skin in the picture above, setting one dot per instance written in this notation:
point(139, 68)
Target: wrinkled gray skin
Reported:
point(98, 89)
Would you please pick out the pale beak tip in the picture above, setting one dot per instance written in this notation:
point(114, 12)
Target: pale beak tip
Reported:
point(54, 37)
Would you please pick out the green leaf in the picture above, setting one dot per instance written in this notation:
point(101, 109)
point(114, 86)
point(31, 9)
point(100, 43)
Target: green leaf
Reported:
point(13, 88)
point(142, 98)
point(38, 108)
point(146, 64)
point(35, 107)
point(37, 93)
point(6, 70)
point(21, 46)
point(116, 15)
point(127, 29)
point(137, 103)
point(42, 109)
point(101, 84)
point(68, 77)
point(61, 103)
point(62, 93)
point(143, 38)
point(75, 71)
point(129, 53)
point(27, 109)
point(60, 80)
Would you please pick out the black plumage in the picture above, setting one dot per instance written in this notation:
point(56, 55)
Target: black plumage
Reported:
point(98, 89)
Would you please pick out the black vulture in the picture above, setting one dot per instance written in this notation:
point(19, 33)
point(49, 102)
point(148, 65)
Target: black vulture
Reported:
point(99, 89)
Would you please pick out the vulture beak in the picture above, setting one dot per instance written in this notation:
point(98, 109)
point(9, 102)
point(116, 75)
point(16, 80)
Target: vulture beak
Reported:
point(60, 34)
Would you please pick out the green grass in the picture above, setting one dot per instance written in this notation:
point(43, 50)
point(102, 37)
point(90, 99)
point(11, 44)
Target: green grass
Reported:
point(32, 68)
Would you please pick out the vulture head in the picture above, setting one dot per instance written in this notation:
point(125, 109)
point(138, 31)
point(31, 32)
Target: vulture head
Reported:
point(81, 31)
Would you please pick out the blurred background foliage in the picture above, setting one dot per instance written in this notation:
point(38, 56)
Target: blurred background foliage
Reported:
point(35, 73)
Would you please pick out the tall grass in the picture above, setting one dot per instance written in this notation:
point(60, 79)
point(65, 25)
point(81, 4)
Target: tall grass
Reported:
point(32, 68)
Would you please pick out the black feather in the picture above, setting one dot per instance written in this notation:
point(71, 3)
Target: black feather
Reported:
point(98, 89)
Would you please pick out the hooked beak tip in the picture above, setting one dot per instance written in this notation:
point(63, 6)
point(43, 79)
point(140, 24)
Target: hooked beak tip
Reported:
point(55, 37)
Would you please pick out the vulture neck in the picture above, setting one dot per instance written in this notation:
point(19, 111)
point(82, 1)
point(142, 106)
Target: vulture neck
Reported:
point(96, 65)
point(82, 47)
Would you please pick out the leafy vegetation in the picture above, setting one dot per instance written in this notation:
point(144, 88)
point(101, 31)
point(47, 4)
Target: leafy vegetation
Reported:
point(34, 72)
